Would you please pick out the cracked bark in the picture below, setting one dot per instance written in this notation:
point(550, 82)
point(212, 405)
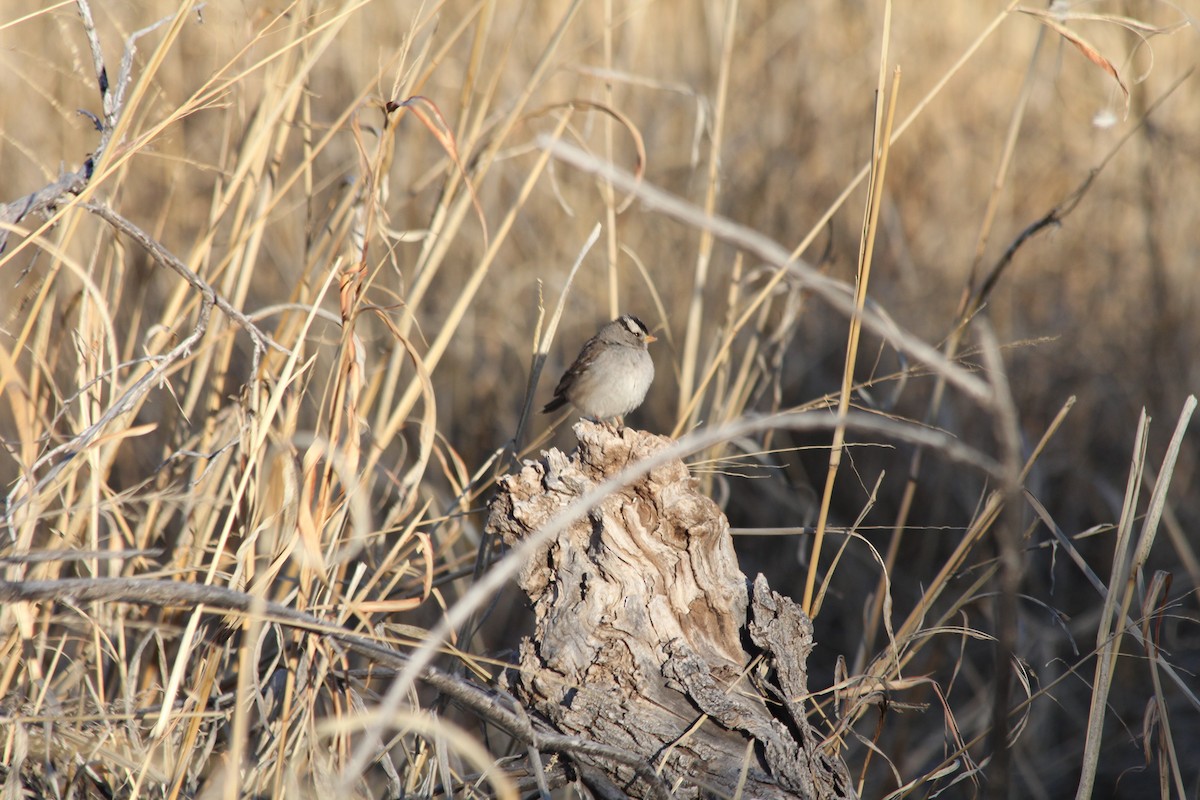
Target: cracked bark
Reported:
point(647, 634)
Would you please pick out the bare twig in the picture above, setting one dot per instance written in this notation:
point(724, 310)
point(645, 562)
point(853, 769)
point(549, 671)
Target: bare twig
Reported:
point(107, 99)
point(70, 184)
point(44, 200)
point(168, 259)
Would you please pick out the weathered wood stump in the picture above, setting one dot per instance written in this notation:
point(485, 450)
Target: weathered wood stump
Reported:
point(643, 640)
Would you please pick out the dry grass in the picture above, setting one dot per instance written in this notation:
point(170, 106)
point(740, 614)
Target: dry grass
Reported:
point(259, 377)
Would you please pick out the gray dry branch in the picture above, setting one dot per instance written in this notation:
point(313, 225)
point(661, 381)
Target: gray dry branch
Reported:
point(643, 619)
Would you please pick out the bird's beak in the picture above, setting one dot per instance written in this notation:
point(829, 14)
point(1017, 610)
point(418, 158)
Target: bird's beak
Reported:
point(650, 337)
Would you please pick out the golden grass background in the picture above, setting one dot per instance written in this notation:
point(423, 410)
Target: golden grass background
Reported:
point(349, 480)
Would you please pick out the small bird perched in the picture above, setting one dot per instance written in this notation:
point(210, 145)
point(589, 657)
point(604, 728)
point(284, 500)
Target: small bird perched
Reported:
point(611, 374)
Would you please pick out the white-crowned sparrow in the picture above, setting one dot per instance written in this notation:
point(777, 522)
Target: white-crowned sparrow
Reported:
point(612, 373)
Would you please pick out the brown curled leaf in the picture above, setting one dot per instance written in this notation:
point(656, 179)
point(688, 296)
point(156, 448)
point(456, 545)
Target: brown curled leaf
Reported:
point(418, 104)
point(1054, 23)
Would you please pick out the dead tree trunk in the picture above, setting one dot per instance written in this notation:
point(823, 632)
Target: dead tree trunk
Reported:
point(646, 639)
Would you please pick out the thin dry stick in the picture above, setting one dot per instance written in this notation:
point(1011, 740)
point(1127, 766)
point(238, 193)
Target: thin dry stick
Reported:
point(541, 347)
point(1008, 539)
point(164, 257)
point(870, 226)
point(1108, 645)
point(1127, 571)
point(606, 189)
point(696, 322)
point(1154, 609)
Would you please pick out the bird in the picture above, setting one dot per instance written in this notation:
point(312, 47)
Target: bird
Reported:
point(612, 373)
